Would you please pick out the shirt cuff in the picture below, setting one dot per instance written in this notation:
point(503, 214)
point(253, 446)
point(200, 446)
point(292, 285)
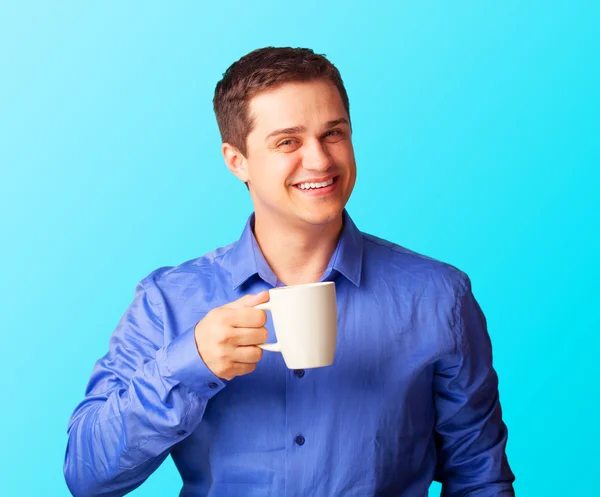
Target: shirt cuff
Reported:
point(184, 364)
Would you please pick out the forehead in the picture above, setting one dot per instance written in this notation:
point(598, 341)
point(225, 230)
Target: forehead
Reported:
point(296, 104)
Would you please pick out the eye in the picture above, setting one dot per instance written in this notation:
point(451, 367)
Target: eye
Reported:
point(333, 135)
point(286, 143)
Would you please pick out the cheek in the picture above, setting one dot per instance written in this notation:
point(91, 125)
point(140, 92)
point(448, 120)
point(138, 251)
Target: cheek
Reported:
point(343, 153)
point(285, 167)
point(272, 171)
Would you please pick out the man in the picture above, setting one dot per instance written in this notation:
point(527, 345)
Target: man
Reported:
point(411, 396)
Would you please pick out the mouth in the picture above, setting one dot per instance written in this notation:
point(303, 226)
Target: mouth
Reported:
point(323, 185)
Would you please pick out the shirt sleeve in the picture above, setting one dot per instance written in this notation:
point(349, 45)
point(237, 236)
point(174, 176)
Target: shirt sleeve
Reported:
point(470, 434)
point(143, 397)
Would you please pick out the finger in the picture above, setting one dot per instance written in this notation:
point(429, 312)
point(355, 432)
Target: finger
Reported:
point(249, 300)
point(247, 355)
point(249, 336)
point(246, 317)
point(240, 368)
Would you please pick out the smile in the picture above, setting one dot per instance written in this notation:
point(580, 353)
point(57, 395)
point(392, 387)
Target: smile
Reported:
point(315, 186)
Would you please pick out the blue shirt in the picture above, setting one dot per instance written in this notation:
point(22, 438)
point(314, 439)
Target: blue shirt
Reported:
point(411, 396)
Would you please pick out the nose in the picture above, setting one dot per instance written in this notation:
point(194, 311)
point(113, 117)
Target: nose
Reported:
point(316, 157)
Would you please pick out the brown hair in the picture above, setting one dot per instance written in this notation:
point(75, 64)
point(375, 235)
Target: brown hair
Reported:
point(261, 69)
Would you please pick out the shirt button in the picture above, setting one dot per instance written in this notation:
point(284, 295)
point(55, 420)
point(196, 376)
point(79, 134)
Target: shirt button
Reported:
point(299, 440)
point(181, 433)
point(213, 385)
point(299, 372)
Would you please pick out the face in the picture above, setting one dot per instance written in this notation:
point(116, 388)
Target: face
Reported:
point(299, 164)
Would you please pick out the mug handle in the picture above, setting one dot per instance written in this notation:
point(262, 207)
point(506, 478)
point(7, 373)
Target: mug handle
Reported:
point(272, 347)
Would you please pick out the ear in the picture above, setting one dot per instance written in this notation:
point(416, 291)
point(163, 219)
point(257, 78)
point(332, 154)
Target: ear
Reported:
point(235, 161)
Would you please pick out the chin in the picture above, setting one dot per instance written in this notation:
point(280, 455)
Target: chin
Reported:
point(321, 218)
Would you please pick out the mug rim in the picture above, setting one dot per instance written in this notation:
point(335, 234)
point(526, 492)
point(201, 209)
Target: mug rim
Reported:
point(302, 286)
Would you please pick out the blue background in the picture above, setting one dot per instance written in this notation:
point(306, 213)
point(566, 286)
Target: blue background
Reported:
point(476, 134)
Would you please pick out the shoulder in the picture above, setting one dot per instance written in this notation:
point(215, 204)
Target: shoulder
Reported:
point(192, 272)
point(389, 260)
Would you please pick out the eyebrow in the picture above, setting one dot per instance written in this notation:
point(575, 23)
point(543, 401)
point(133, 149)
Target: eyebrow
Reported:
point(301, 129)
point(334, 123)
point(286, 131)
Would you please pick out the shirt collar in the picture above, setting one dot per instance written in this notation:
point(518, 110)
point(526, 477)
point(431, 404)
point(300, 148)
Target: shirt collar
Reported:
point(246, 259)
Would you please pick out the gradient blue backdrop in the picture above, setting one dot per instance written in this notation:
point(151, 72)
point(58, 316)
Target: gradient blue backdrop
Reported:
point(476, 133)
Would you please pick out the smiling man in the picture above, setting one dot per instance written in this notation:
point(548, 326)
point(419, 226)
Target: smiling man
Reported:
point(411, 396)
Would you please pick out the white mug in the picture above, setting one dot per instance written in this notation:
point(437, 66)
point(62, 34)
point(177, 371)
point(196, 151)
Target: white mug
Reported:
point(305, 322)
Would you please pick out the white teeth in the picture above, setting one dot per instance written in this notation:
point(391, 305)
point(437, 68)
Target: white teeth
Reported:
point(309, 186)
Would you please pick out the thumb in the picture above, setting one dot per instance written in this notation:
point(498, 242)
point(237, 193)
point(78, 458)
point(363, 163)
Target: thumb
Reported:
point(249, 300)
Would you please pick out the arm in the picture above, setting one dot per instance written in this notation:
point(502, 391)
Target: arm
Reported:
point(142, 398)
point(470, 434)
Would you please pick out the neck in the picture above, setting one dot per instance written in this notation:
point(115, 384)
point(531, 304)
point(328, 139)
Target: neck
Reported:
point(297, 255)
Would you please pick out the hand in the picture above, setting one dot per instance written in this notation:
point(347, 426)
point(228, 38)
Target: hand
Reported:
point(227, 336)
